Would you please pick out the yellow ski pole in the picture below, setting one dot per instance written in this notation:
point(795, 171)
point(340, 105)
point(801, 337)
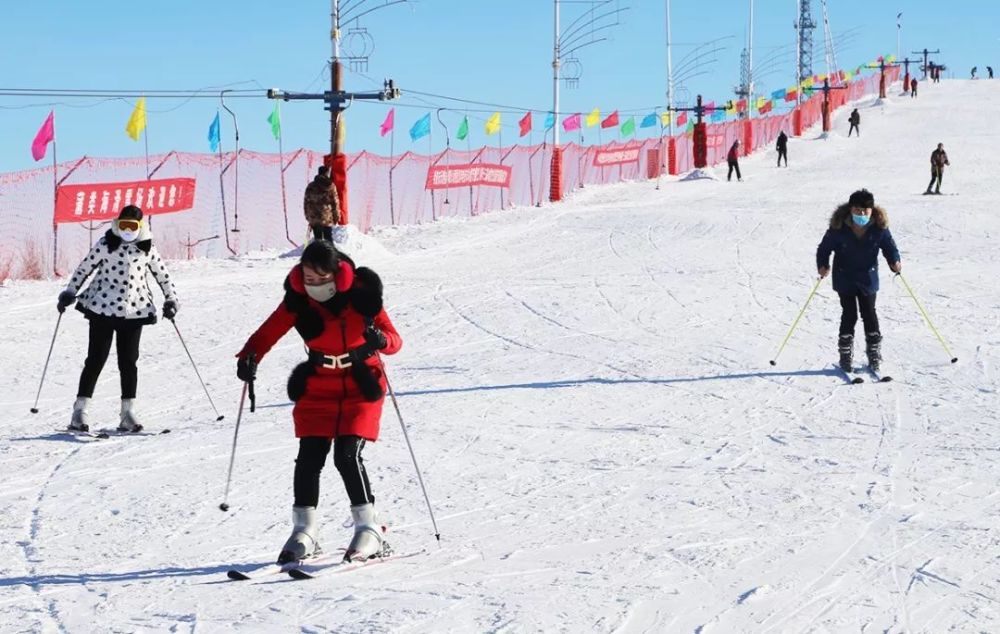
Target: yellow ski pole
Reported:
point(923, 312)
point(795, 323)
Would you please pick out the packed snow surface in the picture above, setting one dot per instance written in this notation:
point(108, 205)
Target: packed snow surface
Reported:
point(588, 393)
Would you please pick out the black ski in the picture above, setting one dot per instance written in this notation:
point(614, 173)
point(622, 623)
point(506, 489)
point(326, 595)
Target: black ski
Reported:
point(850, 377)
point(879, 376)
point(83, 434)
point(272, 569)
point(107, 433)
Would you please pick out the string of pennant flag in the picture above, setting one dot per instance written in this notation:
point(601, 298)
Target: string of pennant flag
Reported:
point(626, 126)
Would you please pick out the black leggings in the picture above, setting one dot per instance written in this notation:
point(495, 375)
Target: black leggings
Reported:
point(126, 333)
point(937, 175)
point(322, 233)
point(850, 303)
point(853, 128)
point(346, 457)
point(783, 154)
point(734, 165)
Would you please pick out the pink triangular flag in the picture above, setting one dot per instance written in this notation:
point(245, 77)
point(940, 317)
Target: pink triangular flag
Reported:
point(46, 134)
point(390, 121)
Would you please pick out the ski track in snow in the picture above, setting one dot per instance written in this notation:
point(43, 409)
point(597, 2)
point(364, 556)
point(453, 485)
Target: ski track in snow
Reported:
point(587, 391)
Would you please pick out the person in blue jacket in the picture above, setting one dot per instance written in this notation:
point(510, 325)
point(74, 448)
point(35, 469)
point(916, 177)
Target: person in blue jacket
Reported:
point(858, 230)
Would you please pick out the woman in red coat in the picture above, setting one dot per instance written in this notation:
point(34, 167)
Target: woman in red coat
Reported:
point(338, 392)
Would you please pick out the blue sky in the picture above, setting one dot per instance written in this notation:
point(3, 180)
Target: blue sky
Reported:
point(497, 51)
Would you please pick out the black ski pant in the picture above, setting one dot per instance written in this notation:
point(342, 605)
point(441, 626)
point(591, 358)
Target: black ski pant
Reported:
point(854, 127)
point(850, 303)
point(126, 333)
point(734, 165)
point(322, 233)
point(937, 175)
point(783, 152)
point(346, 457)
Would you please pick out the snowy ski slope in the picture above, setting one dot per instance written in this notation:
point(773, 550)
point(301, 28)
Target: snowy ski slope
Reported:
point(588, 393)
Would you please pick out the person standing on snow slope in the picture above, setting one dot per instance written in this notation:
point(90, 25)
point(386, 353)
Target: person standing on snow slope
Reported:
point(321, 205)
point(782, 148)
point(733, 159)
point(939, 158)
point(913, 87)
point(338, 392)
point(858, 230)
point(855, 121)
point(117, 303)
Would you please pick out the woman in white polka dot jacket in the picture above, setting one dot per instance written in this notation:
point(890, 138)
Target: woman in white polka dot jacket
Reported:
point(117, 303)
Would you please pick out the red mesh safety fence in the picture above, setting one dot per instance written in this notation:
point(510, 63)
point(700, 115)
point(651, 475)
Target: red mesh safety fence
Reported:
point(383, 190)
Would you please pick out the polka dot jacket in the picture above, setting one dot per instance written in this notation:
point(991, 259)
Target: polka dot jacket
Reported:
point(120, 287)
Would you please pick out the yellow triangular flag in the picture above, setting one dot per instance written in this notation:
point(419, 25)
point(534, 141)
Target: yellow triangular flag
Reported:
point(493, 124)
point(731, 107)
point(137, 122)
point(594, 117)
point(665, 118)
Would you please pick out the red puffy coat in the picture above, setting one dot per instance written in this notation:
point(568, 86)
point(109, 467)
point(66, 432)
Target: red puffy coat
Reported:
point(332, 401)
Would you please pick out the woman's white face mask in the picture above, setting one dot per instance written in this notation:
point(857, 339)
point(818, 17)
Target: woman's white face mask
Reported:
point(128, 236)
point(321, 292)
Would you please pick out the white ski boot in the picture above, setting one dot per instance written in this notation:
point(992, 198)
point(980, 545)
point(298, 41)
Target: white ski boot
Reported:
point(367, 541)
point(302, 544)
point(129, 421)
point(80, 421)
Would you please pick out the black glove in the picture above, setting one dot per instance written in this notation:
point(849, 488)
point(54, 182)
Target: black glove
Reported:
point(66, 298)
point(246, 368)
point(170, 309)
point(375, 338)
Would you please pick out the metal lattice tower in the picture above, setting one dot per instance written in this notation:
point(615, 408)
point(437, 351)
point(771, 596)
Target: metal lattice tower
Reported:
point(831, 54)
point(805, 26)
point(742, 90)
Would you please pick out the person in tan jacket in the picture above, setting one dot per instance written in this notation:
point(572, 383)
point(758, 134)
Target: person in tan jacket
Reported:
point(321, 206)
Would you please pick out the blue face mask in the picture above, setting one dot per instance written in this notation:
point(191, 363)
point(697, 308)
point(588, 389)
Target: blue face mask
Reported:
point(859, 220)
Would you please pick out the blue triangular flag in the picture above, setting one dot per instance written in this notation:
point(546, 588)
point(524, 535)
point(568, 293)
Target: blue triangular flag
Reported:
point(421, 128)
point(550, 121)
point(778, 94)
point(213, 133)
point(648, 121)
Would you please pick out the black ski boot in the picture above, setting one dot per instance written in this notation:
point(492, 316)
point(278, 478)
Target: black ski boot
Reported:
point(845, 346)
point(873, 347)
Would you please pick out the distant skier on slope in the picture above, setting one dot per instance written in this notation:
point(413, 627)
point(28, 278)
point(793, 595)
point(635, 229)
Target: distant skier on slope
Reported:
point(939, 158)
point(782, 147)
point(117, 303)
point(973, 72)
point(733, 159)
point(989, 69)
point(913, 87)
point(338, 392)
point(858, 230)
point(855, 121)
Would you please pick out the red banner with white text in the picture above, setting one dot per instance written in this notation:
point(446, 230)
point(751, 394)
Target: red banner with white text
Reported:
point(616, 156)
point(102, 201)
point(447, 176)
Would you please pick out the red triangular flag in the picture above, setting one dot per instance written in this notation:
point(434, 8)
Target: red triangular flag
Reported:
point(682, 118)
point(611, 121)
point(525, 123)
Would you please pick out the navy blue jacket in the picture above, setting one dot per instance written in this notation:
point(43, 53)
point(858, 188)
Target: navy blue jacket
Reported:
point(855, 260)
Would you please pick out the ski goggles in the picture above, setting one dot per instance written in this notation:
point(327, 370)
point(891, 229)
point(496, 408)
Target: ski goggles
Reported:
point(127, 224)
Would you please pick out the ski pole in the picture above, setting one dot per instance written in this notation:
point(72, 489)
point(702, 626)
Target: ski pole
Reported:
point(232, 456)
point(954, 359)
point(395, 404)
point(198, 374)
point(34, 410)
point(795, 323)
